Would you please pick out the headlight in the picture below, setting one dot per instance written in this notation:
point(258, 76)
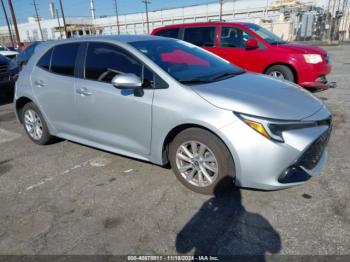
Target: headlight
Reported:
point(273, 129)
point(313, 58)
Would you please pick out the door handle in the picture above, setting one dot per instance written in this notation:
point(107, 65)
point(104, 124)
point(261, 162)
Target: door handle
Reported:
point(83, 91)
point(39, 83)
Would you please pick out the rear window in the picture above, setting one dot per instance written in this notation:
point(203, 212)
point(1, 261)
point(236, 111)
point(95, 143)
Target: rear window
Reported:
point(63, 59)
point(200, 36)
point(171, 32)
point(45, 60)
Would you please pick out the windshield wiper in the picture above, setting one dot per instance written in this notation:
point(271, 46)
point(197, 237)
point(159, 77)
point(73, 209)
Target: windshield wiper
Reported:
point(194, 81)
point(227, 75)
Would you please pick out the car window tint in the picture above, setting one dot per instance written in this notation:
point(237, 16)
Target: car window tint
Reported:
point(182, 57)
point(200, 36)
point(171, 32)
point(233, 37)
point(44, 61)
point(63, 59)
point(104, 61)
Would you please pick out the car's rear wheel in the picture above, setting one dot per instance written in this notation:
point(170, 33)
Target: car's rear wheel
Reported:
point(281, 72)
point(35, 125)
point(201, 161)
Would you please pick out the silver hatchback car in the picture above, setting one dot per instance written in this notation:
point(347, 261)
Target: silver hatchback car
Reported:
point(166, 101)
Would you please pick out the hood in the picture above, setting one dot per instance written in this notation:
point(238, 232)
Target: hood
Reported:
point(302, 48)
point(8, 53)
point(260, 95)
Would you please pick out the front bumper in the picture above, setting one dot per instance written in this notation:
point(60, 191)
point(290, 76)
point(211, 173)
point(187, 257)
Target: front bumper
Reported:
point(314, 76)
point(261, 163)
point(320, 84)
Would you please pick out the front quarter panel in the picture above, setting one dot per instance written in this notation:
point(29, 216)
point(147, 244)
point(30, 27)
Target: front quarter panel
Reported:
point(179, 105)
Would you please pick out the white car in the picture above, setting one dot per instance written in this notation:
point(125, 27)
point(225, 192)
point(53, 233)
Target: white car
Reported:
point(7, 52)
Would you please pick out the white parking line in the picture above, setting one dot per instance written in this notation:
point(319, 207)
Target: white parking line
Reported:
point(6, 136)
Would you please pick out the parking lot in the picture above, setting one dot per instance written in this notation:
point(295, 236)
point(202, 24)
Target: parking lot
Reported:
point(67, 198)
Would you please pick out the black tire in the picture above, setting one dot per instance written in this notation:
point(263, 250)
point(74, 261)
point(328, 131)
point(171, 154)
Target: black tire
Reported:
point(46, 137)
point(284, 70)
point(226, 169)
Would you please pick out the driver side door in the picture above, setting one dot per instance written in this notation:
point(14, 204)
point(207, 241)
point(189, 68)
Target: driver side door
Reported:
point(232, 47)
point(114, 119)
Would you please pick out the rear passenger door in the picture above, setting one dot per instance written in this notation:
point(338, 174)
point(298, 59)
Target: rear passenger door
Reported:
point(53, 81)
point(204, 37)
point(114, 118)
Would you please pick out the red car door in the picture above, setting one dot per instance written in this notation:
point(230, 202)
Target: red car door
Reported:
point(232, 47)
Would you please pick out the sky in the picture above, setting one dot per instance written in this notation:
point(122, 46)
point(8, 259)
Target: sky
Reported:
point(25, 8)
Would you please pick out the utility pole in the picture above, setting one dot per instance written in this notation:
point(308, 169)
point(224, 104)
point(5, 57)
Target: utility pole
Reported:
point(116, 13)
point(7, 22)
point(18, 40)
point(38, 19)
point(146, 2)
point(59, 24)
point(63, 18)
point(220, 14)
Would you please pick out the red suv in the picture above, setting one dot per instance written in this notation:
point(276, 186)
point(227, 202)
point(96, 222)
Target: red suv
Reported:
point(256, 49)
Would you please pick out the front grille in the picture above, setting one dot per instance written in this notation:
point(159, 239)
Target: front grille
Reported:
point(3, 68)
point(313, 154)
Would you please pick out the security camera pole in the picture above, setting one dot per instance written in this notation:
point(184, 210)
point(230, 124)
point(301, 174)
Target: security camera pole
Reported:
point(146, 2)
point(14, 20)
point(7, 22)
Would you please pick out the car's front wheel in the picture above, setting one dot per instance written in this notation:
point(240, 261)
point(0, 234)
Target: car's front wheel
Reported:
point(201, 161)
point(35, 125)
point(281, 72)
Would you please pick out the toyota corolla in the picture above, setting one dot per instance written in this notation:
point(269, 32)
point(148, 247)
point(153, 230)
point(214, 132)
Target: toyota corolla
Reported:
point(167, 101)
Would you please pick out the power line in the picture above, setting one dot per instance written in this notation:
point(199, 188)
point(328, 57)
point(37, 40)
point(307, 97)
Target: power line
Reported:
point(147, 2)
point(38, 19)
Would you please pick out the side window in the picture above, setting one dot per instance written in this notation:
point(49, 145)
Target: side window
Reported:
point(200, 36)
point(63, 59)
point(233, 37)
point(45, 60)
point(104, 61)
point(171, 32)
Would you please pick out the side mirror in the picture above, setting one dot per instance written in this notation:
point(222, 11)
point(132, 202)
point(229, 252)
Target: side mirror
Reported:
point(251, 44)
point(127, 81)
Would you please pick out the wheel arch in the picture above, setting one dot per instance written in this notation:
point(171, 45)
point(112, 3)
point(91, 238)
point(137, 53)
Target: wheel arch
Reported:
point(291, 67)
point(20, 103)
point(179, 128)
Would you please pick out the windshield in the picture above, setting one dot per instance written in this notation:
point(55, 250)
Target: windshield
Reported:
point(185, 62)
point(268, 36)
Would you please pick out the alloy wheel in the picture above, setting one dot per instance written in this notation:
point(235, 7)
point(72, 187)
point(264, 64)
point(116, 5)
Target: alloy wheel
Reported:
point(277, 74)
point(33, 124)
point(197, 164)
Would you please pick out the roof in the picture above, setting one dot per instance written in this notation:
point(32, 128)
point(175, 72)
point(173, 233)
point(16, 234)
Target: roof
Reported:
point(118, 38)
point(202, 24)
